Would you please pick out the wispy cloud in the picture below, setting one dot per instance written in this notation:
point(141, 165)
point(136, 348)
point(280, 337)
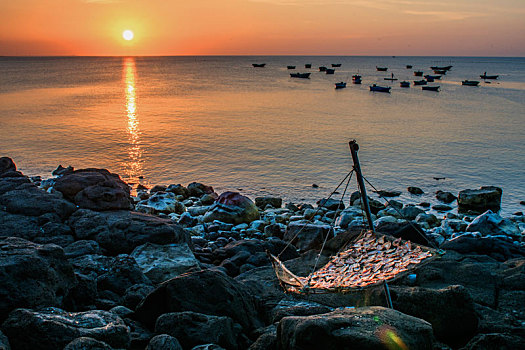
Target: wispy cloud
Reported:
point(445, 15)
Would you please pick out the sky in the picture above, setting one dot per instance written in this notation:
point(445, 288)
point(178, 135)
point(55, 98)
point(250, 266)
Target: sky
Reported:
point(263, 27)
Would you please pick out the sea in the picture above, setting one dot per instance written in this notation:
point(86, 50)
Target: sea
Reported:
point(222, 122)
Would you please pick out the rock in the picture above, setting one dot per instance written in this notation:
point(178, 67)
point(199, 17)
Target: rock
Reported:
point(208, 347)
point(410, 212)
point(122, 231)
point(87, 343)
point(490, 223)
point(6, 165)
point(163, 262)
point(394, 204)
point(344, 219)
point(262, 202)
point(307, 236)
point(331, 204)
point(164, 342)
point(123, 273)
point(93, 265)
point(267, 340)
point(16, 225)
point(362, 328)
point(196, 189)
point(95, 189)
point(33, 275)
point(4, 342)
point(495, 341)
point(53, 328)
point(441, 207)
point(431, 219)
point(450, 311)
point(209, 198)
point(161, 203)
point(135, 294)
point(494, 247)
point(415, 190)
point(287, 308)
point(60, 170)
point(383, 193)
point(375, 205)
point(408, 231)
point(179, 190)
point(480, 200)
point(455, 225)
point(158, 188)
point(232, 207)
point(191, 329)
point(82, 247)
point(83, 295)
point(207, 291)
point(445, 197)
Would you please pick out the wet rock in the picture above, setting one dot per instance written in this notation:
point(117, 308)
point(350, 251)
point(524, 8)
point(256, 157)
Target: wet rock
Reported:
point(384, 193)
point(497, 248)
point(60, 170)
point(164, 342)
point(375, 205)
point(95, 189)
point(441, 207)
point(53, 328)
point(192, 329)
point(179, 190)
point(123, 273)
point(362, 328)
point(16, 225)
point(480, 200)
point(232, 207)
point(158, 188)
point(410, 212)
point(430, 219)
point(209, 292)
point(33, 275)
point(87, 343)
point(331, 204)
point(307, 236)
point(6, 165)
point(161, 202)
point(415, 190)
point(197, 189)
point(445, 197)
point(262, 202)
point(490, 223)
point(163, 262)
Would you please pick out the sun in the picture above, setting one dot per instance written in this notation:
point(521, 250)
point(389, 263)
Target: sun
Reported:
point(127, 35)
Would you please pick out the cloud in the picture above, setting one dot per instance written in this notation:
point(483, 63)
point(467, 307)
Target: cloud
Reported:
point(445, 15)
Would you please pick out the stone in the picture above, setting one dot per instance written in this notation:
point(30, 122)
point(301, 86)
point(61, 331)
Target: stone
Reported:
point(179, 190)
point(307, 236)
point(33, 275)
point(6, 165)
point(345, 219)
point(4, 342)
point(95, 189)
point(431, 219)
point(455, 225)
point(480, 200)
point(192, 328)
point(441, 207)
point(164, 342)
point(208, 347)
point(82, 247)
point(392, 203)
point(445, 197)
point(87, 343)
point(196, 189)
point(60, 170)
point(158, 188)
point(415, 190)
point(234, 208)
point(408, 231)
point(163, 262)
point(121, 231)
point(17, 225)
point(53, 328)
point(331, 204)
point(494, 247)
point(383, 193)
point(361, 328)
point(135, 294)
point(262, 202)
point(209, 198)
point(495, 341)
point(161, 203)
point(123, 273)
point(287, 308)
point(208, 291)
point(410, 212)
point(490, 223)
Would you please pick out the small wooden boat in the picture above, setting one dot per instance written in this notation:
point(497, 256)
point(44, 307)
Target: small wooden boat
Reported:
point(441, 67)
point(340, 85)
point(420, 82)
point(308, 65)
point(258, 65)
point(470, 82)
point(418, 73)
point(322, 69)
point(290, 67)
point(330, 71)
point(485, 76)
point(430, 88)
point(356, 79)
point(429, 78)
point(391, 79)
point(300, 75)
point(404, 84)
point(435, 77)
point(440, 71)
point(378, 88)
point(409, 66)
point(381, 69)
point(336, 64)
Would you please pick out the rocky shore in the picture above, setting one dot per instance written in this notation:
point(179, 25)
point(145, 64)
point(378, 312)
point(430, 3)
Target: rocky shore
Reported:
point(86, 265)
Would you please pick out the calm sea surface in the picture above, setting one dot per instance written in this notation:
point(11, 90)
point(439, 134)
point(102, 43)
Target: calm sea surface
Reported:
point(218, 120)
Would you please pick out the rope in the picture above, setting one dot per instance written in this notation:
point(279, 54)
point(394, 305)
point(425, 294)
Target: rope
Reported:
point(315, 213)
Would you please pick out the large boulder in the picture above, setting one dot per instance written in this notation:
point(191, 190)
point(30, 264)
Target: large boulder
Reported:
point(6, 165)
point(122, 274)
point(307, 236)
point(480, 200)
point(87, 343)
point(95, 189)
point(32, 275)
point(16, 225)
point(122, 231)
point(164, 342)
point(161, 203)
point(490, 223)
point(53, 328)
point(494, 247)
point(362, 328)
point(208, 292)
point(234, 208)
point(197, 189)
point(32, 201)
point(163, 262)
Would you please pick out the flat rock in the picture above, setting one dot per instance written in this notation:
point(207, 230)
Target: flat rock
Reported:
point(490, 223)
point(415, 190)
point(307, 236)
point(482, 199)
point(496, 248)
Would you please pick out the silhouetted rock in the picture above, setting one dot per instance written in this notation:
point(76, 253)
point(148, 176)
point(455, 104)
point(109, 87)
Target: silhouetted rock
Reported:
point(445, 197)
point(164, 342)
point(262, 202)
point(480, 200)
point(196, 189)
point(6, 165)
point(415, 190)
point(490, 223)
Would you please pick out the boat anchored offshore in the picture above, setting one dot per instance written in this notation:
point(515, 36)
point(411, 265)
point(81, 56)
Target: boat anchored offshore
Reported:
point(392, 78)
point(404, 84)
point(290, 67)
point(308, 65)
point(300, 75)
point(485, 76)
point(420, 82)
point(322, 69)
point(381, 69)
point(336, 64)
point(378, 88)
point(330, 71)
point(470, 82)
point(356, 79)
point(340, 85)
point(418, 73)
point(259, 65)
point(441, 68)
point(430, 88)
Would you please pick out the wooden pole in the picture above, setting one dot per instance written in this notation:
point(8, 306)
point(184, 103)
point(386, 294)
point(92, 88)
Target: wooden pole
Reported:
point(354, 147)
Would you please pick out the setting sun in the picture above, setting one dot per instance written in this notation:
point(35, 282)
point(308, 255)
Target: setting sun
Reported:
point(127, 35)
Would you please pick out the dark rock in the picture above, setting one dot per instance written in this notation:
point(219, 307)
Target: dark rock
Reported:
point(392, 203)
point(234, 208)
point(209, 198)
point(179, 190)
point(362, 328)
point(274, 230)
point(60, 170)
point(383, 193)
point(93, 265)
point(122, 231)
point(191, 329)
point(135, 294)
point(123, 273)
point(82, 247)
point(522, 202)
point(480, 200)
point(53, 328)
point(164, 342)
point(331, 204)
point(95, 189)
point(32, 201)
point(252, 247)
point(161, 203)
point(441, 207)
point(4, 342)
point(424, 205)
point(16, 225)
point(62, 241)
point(262, 202)
point(6, 165)
point(496, 341)
point(87, 343)
point(307, 236)
point(158, 188)
point(196, 189)
point(415, 190)
point(490, 223)
point(408, 231)
point(287, 308)
point(445, 197)
point(205, 291)
point(208, 347)
point(410, 212)
point(82, 297)
point(315, 185)
point(494, 247)
point(267, 340)
point(33, 275)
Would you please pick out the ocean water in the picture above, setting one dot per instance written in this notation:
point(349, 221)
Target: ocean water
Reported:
point(218, 120)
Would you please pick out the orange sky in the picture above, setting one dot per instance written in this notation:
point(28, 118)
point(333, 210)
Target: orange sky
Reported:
point(263, 27)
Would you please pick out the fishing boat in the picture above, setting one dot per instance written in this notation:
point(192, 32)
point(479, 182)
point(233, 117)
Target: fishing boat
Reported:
point(300, 75)
point(381, 69)
point(330, 71)
point(470, 82)
point(409, 66)
point(418, 73)
point(391, 78)
point(485, 76)
point(440, 71)
point(340, 85)
point(378, 88)
point(404, 84)
point(258, 65)
point(429, 78)
point(420, 82)
point(435, 77)
point(356, 79)
point(290, 67)
point(430, 88)
point(336, 64)
point(441, 67)
point(308, 65)
point(322, 69)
